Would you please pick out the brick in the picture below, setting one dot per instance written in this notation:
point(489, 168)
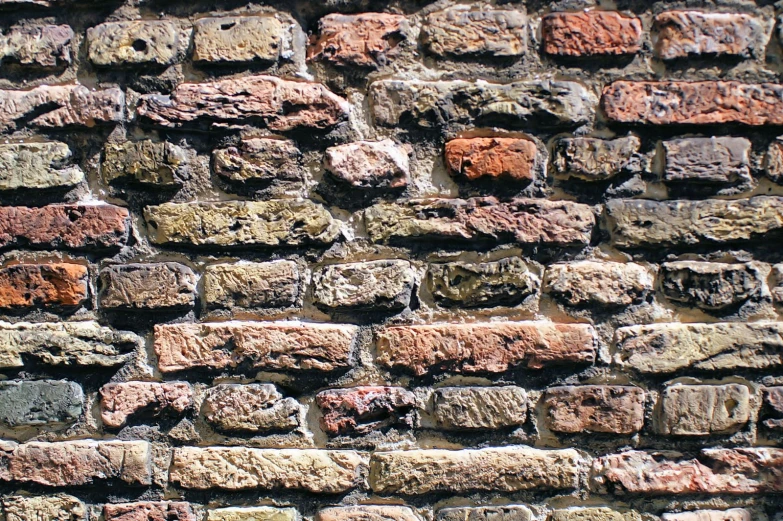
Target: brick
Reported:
point(252, 514)
point(507, 282)
point(469, 408)
point(241, 223)
point(773, 161)
point(504, 469)
point(776, 283)
point(147, 163)
point(493, 158)
point(492, 513)
point(592, 159)
point(710, 285)
point(733, 514)
point(70, 227)
point(369, 164)
point(591, 33)
point(645, 223)
point(681, 34)
point(162, 285)
point(772, 414)
point(666, 348)
point(485, 348)
point(612, 409)
point(269, 346)
point(140, 42)
point(368, 513)
point(237, 39)
point(40, 402)
point(429, 104)
point(267, 101)
point(525, 221)
point(365, 409)
point(121, 402)
point(252, 285)
point(149, 511)
point(44, 46)
point(594, 514)
point(60, 507)
point(260, 161)
point(60, 285)
point(76, 463)
point(241, 468)
point(365, 40)
point(713, 471)
point(60, 106)
point(37, 166)
point(693, 103)
point(64, 344)
point(701, 410)
point(365, 286)
point(250, 408)
point(707, 160)
point(462, 31)
point(591, 283)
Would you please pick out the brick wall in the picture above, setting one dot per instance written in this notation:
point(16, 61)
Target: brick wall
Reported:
point(358, 260)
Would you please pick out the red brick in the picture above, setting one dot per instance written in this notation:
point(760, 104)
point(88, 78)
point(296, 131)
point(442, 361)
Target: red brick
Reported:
point(485, 348)
point(693, 103)
point(686, 33)
point(45, 285)
point(473, 158)
point(773, 406)
point(64, 226)
point(366, 40)
point(612, 409)
point(149, 511)
point(120, 401)
point(590, 33)
point(362, 410)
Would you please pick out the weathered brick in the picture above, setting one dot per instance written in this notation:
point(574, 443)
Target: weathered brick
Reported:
point(733, 514)
point(37, 166)
point(693, 103)
point(368, 513)
point(681, 34)
point(466, 31)
point(507, 282)
point(64, 344)
point(57, 106)
point(146, 162)
point(485, 348)
point(40, 402)
point(369, 164)
point(773, 161)
point(241, 223)
point(362, 410)
point(252, 514)
point(236, 39)
point(366, 286)
point(492, 513)
point(121, 402)
point(504, 469)
point(707, 160)
point(647, 223)
point(772, 414)
point(260, 161)
point(666, 348)
point(594, 514)
point(163, 285)
point(591, 283)
point(701, 410)
point(149, 511)
point(592, 159)
point(612, 409)
point(271, 346)
point(267, 101)
point(140, 42)
point(76, 463)
point(591, 33)
point(776, 283)
point(364, 40)
point(45, 46)
point(468, 408)
point(60, 285)
point(495, 158)
point(713, 471)
point(250, 408)
point(427, 104)
point(710, 285)
point(72, 227)
point(251, 285)
point(526, 221)
point(241, 468)
point(59, 507)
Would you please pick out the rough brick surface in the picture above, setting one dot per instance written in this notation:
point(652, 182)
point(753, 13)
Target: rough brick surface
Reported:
point(475, 158)
point(688, 33)
point(466, 408)
point(141, 42)
point(708, 285)
point(122, 401)
point(259, 160)
point(595, 408)
point(234, 39)
point(368, 513)
point(700, 410)
point(45, 46)
point(367, 286)
point(149, 511)
point(250, 408)
point(41, 402)
point(589, 283)
point(147, 286)
point(43, 285)
point(594, 159)
point(363, 40)
point(144, 162)
point(461, 31)
point(362, 410)
point(60, 507)
point(252, 285)
point(591, 33)
point(369, 164)
point(37, 166)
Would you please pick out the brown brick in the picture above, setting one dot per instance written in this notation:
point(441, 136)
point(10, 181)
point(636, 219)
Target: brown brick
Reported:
point(693, 103)
point(491, 513)
point(509, 158)
point(772, 412)
point(611, 409)
point(269, 346)
point(707, 160)
point(701, 410)
point(369, 164)
point(45, 46)
point(368, 513)
point(147, 163)
point(465, 31)
point(73, 227)
point(147, 286)
point(236, 39)
point(38, 166)
point(149, 511)
point(43, 285)
point(252, 285)
point(710, 286)
point(60, 507)
point(382, 285)
point(733, 514)
point(591, 283)
point(250, 408)
point(362, 410)
point(261, 161)
point(590, 33)
point(139, 42)
point(485, 348)
point(471, 408)
point(122, 401)
point(592, 159)
point(365, 40)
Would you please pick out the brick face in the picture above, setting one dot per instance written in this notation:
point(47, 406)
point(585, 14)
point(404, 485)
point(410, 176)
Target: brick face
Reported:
point(591, 33)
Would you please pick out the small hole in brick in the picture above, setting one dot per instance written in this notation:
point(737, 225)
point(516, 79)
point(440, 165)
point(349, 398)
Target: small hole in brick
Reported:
point(226, 27)
point(139, 45)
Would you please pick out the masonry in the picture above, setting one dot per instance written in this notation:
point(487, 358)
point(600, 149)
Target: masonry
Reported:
point(394, 260)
